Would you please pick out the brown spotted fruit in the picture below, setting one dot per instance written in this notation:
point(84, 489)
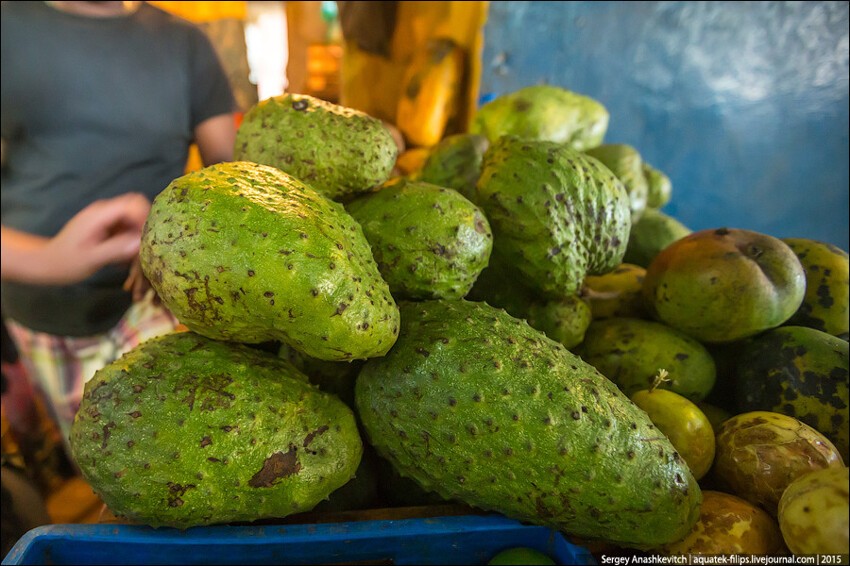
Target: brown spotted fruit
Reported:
point(827, 301)
point(247, 253)
point(801, 372)
point(185, 431)
point(813, 513)
point(729, 525)
point(481, 408)
point(758, 454)
point(724, 285)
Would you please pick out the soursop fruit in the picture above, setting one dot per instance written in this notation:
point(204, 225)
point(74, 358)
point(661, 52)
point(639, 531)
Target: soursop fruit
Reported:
point(479, 407)
point(544, 113)
point(336, 150)
point(557, 215)
point(429, 242)
point(245, 252)
point(625, 162)
point(455, 163)
point(185, 431)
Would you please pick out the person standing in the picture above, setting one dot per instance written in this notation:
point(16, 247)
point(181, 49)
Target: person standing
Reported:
point(99, 99)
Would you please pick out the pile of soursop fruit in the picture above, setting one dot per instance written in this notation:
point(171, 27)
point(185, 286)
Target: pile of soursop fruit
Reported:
point(514, 325)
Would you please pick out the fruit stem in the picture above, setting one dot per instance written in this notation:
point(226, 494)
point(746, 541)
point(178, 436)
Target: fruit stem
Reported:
point(661, 377)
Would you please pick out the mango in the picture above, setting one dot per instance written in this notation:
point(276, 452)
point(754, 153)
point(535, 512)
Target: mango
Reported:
point(630, 351)
point(724, 285)
point(827, 300)
point(800, 372)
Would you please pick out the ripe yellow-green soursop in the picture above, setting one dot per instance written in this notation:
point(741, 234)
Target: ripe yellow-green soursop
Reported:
point(245, 252)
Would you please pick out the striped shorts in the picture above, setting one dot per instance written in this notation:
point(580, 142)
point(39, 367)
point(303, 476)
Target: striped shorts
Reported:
point(60, 366)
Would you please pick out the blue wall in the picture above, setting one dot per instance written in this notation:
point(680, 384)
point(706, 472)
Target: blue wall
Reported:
point(743, 104)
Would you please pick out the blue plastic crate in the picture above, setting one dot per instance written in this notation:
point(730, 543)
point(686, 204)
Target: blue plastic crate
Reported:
point(468, 539)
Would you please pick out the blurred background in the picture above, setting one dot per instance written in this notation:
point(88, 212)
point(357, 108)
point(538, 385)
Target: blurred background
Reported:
point(744, 105)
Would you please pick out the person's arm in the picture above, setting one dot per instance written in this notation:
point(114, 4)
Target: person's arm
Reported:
point(107, 231)
point(215, 137)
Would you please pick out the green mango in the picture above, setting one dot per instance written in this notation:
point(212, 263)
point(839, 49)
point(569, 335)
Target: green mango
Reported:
point(652, 233)
point(185, 431)
point(630, 352)
point(557, 215)
point(480, 407)
point(244, 252)
point(543, 113)
point(336, 150)
point(827, 300)
point(626, 163)
point(800, 372)
point(724, 285)
point(429, 242)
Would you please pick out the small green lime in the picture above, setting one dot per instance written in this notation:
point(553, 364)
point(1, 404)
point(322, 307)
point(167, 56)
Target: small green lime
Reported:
point(521, 555)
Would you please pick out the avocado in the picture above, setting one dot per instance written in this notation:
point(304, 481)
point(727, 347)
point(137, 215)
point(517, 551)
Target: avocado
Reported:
point(479, 407)
point(185, 431)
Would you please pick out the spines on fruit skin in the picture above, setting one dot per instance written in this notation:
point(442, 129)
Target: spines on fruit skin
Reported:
point(556, 214)
point(245, 252)
point(336, 150)
point(185, 431)
point(429, 242)
point(480, 407)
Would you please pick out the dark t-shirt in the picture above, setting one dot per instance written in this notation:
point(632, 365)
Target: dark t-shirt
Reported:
point(93, 108)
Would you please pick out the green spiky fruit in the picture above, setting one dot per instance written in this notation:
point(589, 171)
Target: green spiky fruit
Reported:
point(825, 306)
point(336, 150)
point(455, 163)
point(652, 233)
point(630, 351)
point(659, 186)
point(244, 252)
point(544, 113)
point(556, 214)
point(564, 320)
point(429, 242)
point(480, 407)
point(626, 163)
point(800, 372)
point(185, 431)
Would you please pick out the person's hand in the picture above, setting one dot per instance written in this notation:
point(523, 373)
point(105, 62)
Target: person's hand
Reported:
point(106, 231)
